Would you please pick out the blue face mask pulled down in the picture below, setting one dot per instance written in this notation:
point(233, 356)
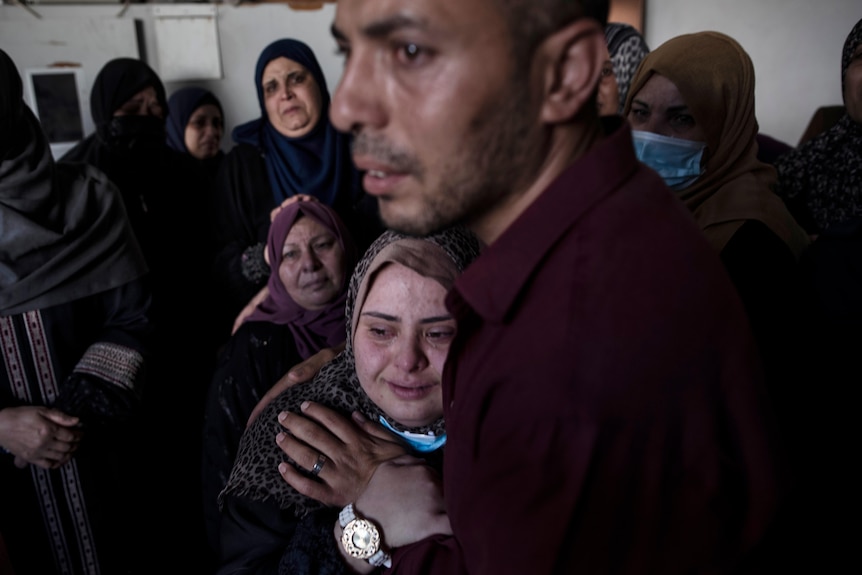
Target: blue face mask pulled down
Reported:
point(676, 160)
point(419, 442)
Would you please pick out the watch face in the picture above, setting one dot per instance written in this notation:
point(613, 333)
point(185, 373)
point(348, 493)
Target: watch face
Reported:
point(360, 539)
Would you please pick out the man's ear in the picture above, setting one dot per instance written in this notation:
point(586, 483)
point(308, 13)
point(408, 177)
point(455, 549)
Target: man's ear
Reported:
point(570, 62)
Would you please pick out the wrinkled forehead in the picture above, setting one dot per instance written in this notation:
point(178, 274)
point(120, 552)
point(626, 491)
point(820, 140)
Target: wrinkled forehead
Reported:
point(306, 228)
point(280, 66)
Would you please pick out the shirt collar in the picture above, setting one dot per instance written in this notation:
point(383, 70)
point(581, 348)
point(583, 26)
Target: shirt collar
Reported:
point(491, 284)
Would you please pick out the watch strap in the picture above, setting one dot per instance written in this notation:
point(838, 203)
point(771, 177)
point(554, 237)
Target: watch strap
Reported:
point(381, 559)
point(346, 515)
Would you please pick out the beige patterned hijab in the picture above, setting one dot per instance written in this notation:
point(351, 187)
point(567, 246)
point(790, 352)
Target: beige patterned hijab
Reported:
point(715, 77)
point(255, 475)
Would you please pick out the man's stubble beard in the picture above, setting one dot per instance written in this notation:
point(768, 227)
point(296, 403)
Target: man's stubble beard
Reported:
point(498, 159)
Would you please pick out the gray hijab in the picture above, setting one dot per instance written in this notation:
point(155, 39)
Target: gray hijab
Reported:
point(63, 228)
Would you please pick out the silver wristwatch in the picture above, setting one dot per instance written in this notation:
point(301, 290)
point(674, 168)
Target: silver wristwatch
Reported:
point(361, 538)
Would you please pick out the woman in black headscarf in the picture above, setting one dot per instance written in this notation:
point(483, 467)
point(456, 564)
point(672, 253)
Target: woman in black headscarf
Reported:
point(291, 149)
point(164, 194)
point(73, 332)
point(161, 187)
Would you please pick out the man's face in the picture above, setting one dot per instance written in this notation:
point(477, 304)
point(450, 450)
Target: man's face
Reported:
point(444, 125)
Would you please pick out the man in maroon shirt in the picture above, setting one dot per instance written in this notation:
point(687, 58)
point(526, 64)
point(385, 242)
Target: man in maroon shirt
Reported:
point(603, 399)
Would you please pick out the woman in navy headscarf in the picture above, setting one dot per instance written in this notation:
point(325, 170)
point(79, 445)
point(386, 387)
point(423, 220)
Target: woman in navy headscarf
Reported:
point(195, 126)
point(292, 149)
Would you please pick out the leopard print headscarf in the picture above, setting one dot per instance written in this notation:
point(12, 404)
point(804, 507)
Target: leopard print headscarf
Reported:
point(255, 473)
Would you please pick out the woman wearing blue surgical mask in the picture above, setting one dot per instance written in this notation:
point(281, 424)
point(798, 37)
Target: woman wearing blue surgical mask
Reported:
point(691, 109)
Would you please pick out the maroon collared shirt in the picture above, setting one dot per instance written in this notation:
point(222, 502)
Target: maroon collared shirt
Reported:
point(603, 398)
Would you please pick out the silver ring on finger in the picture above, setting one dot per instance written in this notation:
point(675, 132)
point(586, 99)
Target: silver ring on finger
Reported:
point(318, 465)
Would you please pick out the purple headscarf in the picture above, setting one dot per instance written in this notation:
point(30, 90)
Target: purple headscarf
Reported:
point(312, 330)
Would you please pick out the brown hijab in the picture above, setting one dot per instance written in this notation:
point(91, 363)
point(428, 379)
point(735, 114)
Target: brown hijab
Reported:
point(715, 76)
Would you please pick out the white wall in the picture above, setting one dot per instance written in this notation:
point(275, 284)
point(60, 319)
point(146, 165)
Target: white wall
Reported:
point(243, 33)
point(795, 46)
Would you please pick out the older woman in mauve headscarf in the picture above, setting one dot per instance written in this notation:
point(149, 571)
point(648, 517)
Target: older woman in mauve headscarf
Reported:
point(312, 255)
